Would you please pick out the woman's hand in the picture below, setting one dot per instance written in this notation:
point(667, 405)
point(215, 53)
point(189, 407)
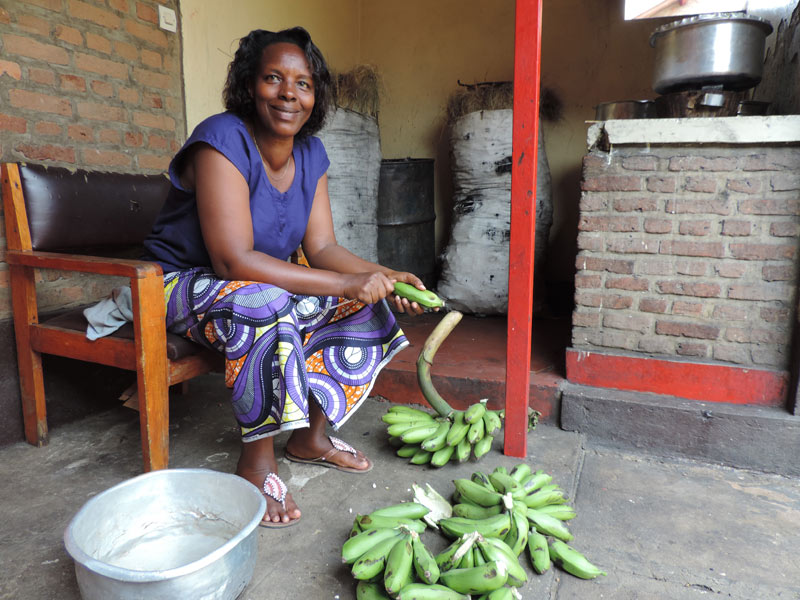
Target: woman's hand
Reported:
point(367, 287)
point(403, 305)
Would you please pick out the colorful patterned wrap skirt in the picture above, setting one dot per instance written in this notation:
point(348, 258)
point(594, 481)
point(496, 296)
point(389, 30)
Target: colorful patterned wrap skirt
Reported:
point(282, 349)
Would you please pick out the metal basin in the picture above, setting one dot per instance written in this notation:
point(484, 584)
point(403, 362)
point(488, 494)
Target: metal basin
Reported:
point(178, 533)
point(721, 49)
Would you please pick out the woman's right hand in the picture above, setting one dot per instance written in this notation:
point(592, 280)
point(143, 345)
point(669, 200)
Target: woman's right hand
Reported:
point(367, 287)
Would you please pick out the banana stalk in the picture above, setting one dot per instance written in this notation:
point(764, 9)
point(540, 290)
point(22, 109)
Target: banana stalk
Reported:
point(425, 361)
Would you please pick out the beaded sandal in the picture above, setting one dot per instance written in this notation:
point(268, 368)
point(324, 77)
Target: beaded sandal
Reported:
point(324, 460)
point(275, 488)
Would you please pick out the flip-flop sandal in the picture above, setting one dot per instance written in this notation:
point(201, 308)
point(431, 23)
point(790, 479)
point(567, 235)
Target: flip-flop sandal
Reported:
point(324, 460)
point(275, 488)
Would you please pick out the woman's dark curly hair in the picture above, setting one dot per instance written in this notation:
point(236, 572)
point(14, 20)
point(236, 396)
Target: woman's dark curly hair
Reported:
point(246, 65)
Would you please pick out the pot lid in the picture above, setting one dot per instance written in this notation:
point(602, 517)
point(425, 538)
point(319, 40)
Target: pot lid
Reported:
point(711, 18)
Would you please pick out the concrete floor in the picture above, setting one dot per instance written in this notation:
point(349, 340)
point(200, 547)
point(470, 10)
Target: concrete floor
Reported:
point(662, 528)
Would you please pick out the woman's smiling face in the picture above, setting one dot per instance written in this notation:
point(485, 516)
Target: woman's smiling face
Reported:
point(283, 91)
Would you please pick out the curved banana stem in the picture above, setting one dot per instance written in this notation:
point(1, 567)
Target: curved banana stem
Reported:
point(425, 361)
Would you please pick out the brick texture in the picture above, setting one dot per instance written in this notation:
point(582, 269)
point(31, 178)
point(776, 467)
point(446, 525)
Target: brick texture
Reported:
point(689, 252)
point(87, 84)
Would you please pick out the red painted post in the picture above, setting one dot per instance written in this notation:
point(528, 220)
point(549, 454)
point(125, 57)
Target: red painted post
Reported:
point(527, 62)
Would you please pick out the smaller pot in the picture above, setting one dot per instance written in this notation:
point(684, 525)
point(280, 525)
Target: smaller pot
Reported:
point(625, 109)
point(751, 108)
point(701, 103)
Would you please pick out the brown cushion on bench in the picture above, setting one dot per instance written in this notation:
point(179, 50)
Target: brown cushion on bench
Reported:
point(177, 346)
point(79, 209)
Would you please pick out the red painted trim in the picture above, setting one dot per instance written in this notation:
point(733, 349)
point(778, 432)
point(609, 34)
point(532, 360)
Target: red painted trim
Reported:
point(691, 380)
point(527, 63)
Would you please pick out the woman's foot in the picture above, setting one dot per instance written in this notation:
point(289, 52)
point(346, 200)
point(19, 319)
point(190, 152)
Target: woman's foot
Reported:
point(312, 445)
point(256, 462)
point(286, 513)
point(306, 446)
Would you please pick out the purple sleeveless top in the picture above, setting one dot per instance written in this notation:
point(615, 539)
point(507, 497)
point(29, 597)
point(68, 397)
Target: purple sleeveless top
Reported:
point(279, 219)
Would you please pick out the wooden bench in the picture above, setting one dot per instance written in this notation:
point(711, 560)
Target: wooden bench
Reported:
point(51, 216)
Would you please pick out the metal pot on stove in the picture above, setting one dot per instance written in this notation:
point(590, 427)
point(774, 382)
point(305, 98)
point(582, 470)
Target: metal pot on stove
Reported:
point(720, 49)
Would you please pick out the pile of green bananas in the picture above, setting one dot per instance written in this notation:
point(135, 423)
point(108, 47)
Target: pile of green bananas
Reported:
point(525, 510)
point(389, 559)
point(425, 439)
point(495, 518)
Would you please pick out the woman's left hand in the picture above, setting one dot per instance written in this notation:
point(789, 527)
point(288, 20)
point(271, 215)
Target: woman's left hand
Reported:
point(404, 305)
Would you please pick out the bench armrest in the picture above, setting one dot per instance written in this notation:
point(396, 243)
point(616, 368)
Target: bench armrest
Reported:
point(133, 269)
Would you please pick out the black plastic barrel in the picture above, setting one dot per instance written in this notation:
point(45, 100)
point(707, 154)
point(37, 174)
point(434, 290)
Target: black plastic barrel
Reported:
point(406, 217)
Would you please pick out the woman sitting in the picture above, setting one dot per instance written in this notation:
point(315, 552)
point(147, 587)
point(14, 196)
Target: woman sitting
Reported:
point(303, 346)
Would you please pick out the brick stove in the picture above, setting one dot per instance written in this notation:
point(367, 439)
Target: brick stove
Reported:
point(687, 268)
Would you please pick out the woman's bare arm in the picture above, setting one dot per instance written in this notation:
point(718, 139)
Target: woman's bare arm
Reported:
point(223, 206)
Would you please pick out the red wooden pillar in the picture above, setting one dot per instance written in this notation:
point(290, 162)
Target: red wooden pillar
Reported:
point(527, 62)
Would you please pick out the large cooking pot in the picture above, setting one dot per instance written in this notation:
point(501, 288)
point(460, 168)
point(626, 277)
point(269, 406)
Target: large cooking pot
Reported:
point(720, 49)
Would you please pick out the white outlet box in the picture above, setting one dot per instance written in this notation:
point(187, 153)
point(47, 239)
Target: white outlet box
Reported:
point(167, 19)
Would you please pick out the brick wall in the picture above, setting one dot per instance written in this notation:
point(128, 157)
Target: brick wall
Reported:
point(89, 84)
point(689, 252)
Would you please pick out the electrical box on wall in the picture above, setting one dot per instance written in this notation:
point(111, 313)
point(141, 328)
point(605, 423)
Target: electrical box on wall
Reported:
point(167, 19)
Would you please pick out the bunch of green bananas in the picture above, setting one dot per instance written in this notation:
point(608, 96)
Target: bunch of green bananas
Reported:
point(495, 518)
point(389, 558)
point(425, 439)
point(522, 508)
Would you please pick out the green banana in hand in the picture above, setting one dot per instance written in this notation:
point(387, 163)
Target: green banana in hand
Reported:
point(373, 561)
point(495, 526)
point(357, 545)
point(424, 298)
point(438, 439)
point(475, 412)
point(424, 562)
point(424, 591)
point(477, 493)
point(399, 566)
point(572, 561)
point(476, 580)
point(548, 525)
point(403, 510)
point(366, 590)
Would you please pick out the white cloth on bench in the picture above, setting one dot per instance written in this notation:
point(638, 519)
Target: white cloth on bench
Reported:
point(109, 314)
